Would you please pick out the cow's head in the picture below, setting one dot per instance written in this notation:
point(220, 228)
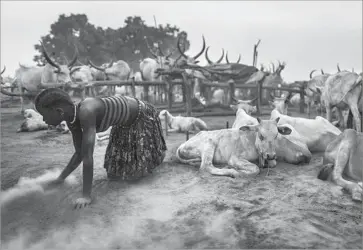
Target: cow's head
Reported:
point(63, 72)
point(266, 138)
point(103, 71)
point(246, 105)
point(188, 60)
point(268, 78)
point(238, 60)
point(210, 62)
point(165, 61)
point(280, 103)
point(312, 86)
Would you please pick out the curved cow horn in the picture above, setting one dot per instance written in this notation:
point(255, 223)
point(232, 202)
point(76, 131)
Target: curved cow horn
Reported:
point(311, 73)
point(75, 57)
point(110, 64)
point(74, 69)
point(3, 70)
point(94, 66)
point(239, 58)
point(207, 57)
point(254, 99)
point(150, 50)
point(221, 58)
point(322, 72)
point(338, 67)
point(273, 67)
point(201, 52)
point(227, 57)
point(45, 54)
point(180, 51)
point(160, 51)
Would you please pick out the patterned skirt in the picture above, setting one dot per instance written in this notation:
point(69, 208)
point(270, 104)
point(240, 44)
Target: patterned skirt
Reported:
point(134, 151)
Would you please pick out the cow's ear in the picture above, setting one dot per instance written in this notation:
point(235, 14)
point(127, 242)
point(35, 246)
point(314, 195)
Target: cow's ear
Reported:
point(284, 130)
point(318, 90)
point(249, 128)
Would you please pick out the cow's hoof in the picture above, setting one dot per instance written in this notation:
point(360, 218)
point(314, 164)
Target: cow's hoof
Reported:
point(357, 193)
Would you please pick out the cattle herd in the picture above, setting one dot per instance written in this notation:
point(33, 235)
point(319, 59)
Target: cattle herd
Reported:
point(250, 140)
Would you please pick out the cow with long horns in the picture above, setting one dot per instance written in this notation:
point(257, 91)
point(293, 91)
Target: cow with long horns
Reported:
point(149, 66)
point(113, 71)
point(33, 79)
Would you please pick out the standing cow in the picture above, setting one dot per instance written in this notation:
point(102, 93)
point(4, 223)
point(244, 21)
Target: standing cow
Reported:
point(266, 78)
point(33, 79)
point(118, 71)
point(343, 90)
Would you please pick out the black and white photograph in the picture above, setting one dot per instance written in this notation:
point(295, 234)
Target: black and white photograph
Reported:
point(181, 125)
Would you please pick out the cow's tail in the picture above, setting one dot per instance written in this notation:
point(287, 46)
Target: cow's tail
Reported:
point(325, 172)
point(194, 162)
point(200, 124)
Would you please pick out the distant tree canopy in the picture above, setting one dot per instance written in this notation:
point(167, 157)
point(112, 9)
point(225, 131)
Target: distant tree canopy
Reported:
point(102, 45)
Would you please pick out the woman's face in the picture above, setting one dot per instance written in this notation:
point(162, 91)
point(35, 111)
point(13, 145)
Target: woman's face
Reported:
point(51, 115)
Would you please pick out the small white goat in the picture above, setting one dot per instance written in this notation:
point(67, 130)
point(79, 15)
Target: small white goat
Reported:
point(181, 123)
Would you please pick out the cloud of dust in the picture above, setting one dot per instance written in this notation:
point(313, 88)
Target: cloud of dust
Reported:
point(28, 185)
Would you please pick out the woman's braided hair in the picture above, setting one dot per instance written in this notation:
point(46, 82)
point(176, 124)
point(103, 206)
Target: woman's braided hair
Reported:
point(51, 96)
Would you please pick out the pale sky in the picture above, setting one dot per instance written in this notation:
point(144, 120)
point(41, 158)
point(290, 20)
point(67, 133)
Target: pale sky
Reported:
point(306, 35)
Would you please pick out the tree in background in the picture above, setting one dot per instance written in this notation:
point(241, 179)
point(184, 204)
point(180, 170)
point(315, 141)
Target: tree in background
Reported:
point(103, 45)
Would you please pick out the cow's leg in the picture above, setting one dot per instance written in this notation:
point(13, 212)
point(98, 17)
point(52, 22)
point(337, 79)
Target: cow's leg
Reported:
point(341, 118)
point(328, 112)
point(340, 164)
point(207, 165)
point(246, 167)
point(22, 99)
point(356, 116)
point(308, 109)
point(83, 93)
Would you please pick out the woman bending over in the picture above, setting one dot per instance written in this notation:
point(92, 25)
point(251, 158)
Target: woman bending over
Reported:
point(136, 145)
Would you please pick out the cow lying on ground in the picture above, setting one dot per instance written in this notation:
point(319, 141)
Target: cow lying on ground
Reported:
point(237, 148)
point(34, 122)
point(344, 157)
point(289, 148)
point(181, 123)
point(315, 133)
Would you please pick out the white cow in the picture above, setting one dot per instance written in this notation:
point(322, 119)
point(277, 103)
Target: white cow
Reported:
point(289, 148)
point(34, 122)
point(33, 79)
point(343, 91)
point(315, 133)
point(118, 71)
point(181, 123)
point(280, 103)
point(343, 157)
point(236, 147)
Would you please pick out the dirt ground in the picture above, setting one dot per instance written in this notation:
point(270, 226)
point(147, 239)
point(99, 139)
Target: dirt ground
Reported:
point(175, 207)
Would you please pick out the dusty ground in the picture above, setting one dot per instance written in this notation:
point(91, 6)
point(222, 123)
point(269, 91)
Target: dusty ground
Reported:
point(175, 207)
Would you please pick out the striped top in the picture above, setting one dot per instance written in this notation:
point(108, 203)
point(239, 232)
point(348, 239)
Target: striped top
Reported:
point(117, 111)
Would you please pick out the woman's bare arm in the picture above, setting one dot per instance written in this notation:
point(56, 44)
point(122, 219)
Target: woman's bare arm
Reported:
point(77, 156)
point(88, 124)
